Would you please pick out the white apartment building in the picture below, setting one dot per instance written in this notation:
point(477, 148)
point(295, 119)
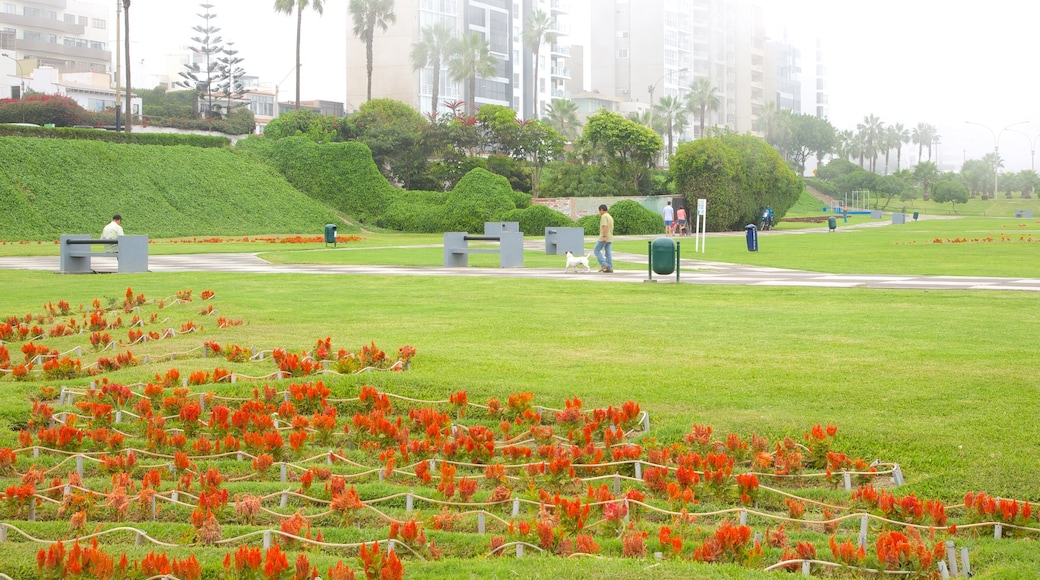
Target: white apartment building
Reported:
point(500, 22)
point(642, 50)
point(67, 35)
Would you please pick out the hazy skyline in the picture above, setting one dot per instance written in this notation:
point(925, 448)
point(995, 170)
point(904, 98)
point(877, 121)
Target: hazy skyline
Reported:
point(905, 61)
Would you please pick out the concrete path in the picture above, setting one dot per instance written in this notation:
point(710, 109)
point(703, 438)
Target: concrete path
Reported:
point(691, 272)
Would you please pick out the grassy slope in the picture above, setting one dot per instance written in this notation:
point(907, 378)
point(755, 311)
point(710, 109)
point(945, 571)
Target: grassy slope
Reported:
point(49, 187)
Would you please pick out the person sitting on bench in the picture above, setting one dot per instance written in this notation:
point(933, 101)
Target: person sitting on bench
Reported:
point(112, 231)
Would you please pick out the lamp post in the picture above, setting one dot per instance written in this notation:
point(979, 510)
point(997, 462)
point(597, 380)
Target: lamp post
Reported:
point(653, 87)
point(1032, 147)
point(996, 149)
point(21, 95)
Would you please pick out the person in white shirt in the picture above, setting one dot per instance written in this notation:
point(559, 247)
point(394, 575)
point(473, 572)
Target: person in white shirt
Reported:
point(668, 219)
point(114, 229)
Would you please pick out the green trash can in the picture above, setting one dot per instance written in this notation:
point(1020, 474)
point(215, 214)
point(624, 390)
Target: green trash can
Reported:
point(832, 223)
point(916, 215)
point(330, 235)
point(663, 258)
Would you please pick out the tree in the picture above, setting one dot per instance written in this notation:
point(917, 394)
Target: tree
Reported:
point(703, 98)
point(204, 77)
point(950, 189)
point(367, 15)
point(995, 163)
point(286, 7)
point(873, 131)
point(672, 112)
point(925, 175)
point(393, 131)
point(739, 175)
point(537, 31)
point(231, 77)
point(977, 175)
point(539, 144)
point(900, 137)
point(470, 58)
point(562, 115)
point(807, 134)
point(431, 51)
point(626, 146)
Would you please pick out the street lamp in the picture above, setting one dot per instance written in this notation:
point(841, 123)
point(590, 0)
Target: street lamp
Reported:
point(996, 150)
point(654, 87)
point(21, 95)
point(1032, 147)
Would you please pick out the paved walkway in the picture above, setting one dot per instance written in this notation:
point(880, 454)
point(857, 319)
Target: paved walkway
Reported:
point(691, 272)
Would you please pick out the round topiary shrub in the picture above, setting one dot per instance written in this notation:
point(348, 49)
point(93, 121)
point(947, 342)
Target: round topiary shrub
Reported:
point(480, 196)
point(630, 218)
point(590, 224)
point(533, 220)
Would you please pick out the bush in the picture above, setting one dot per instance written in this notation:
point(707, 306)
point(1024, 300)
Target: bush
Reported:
point(533, 220)
point(420, 212)
point(480, 196)
point(590, 224)
point(304, 123)
point(561, 179)
point(516, 172)
point(630, 218)
point(341, 175)
point(168, 139)
point(42, 110)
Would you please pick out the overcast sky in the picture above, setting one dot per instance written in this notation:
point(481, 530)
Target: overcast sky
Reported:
point(906, 61)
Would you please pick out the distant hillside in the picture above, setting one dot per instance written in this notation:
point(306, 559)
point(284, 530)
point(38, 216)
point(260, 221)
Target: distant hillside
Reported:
point(52, 186)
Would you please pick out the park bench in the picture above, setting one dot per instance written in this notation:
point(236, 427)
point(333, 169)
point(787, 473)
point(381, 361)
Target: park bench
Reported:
point(510, 248)
point(130, 252)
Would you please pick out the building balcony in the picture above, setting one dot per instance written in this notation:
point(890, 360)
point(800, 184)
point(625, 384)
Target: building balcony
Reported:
point(41, 24)
point(560, 6)
point(559, 50)
point(60, 51)
point(560, 71)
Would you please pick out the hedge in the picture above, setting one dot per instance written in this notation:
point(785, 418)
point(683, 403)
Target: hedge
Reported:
point(84, 134)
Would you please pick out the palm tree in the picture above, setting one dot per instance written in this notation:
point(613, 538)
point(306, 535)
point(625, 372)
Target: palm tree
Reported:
point(873, 131)
point(934, 138)
point(845, 144)
point(432, 50)
point(537, 31)
point(703, 98)
point(900, 136)
point(921, 136)
point(367, 15)
point(766, 122)
point(469, 58)
point(672, 113)
point(926, 174)
point(562, 115)
point(287, 7)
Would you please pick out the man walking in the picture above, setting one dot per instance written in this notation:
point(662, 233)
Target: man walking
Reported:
point(669, 219)
point(606, 240)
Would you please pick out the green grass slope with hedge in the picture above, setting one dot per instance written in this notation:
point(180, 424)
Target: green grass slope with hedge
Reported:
point(51, 186)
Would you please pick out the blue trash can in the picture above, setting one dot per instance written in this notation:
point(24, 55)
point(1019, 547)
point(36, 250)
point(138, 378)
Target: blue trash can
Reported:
point(751, 233)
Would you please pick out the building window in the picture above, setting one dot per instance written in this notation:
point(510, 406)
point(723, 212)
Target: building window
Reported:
point(70, 19)
point(82, 21)
point(10, 8)
point(97, 45)
point(622, 34)
point(99, 23)
point(622, 53)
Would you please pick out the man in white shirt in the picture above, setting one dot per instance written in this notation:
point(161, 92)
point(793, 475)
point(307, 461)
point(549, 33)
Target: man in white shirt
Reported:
point(114, 229)
point(669, 219)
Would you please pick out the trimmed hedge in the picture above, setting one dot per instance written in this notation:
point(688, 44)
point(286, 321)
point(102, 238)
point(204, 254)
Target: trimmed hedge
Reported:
point(533, 220)
point(630, 218)
point(340, 175)
point(420, 212)
point(480, 196)
point(167, 139)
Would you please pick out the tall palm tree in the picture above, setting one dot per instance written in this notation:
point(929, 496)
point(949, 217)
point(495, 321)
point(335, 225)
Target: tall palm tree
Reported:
point(537, 31)
point(934, 138)
point(703, 98)
point(432, 50)
point(845, 144)
point(926, 174)
point(921, 136)
point(367, 15)
point(672, 112)
point(287, 7)
point(471, 57)
point(873, 133)
point(562, 115)
point(900, 136)
point(766, 122)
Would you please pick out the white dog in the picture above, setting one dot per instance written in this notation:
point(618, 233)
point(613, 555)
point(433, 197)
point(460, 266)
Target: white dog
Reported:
point(577, 262)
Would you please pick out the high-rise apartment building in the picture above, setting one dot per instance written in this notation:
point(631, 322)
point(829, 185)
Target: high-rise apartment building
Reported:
point(647, 49)
point(499, 22)
point(67, 35)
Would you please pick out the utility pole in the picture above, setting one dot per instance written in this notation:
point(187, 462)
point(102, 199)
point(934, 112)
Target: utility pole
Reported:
point(118, 107)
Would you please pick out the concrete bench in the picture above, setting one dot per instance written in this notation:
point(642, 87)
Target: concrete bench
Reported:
point(130, 252)
point(510, 248)
point(558, 241)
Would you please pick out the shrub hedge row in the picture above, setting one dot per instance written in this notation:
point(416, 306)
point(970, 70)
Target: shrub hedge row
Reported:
point(168, 139)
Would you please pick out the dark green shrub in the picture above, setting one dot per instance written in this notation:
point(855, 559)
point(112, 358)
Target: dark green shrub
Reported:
point(561, 179)
point(304, 123)
point(479, 197)
point(590, 224)
point(169, 139)
point(536, 218)
point(516, 172)
point(420, 212)
point(630, 218)
point(341, 175)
